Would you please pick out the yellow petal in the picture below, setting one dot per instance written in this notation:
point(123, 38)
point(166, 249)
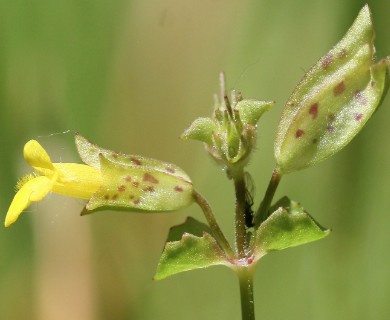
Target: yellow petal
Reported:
point(36, 156)
point(33, 190)
point(76, 180)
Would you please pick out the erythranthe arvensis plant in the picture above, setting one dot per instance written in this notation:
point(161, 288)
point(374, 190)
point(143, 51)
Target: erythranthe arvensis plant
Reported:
point(330, 105)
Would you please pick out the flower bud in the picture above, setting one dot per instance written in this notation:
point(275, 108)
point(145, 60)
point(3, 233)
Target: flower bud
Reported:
point(230, 135)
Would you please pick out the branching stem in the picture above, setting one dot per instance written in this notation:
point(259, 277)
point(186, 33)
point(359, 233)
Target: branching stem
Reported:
point(217, 232)
point(262, 213)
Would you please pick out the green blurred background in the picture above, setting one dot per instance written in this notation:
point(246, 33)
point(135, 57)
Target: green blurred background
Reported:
point(131, 75)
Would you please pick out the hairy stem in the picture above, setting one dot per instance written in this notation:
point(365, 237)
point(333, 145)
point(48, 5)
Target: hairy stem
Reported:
point(262, 213)
point(240, 228)
point(217, 232)
point(245, 277)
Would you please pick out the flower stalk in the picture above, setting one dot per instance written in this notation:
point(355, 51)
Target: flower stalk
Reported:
point(263, 211)
point(217, 232)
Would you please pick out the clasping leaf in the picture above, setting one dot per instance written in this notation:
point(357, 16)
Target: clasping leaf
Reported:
point(288, 226)
point(189, 246)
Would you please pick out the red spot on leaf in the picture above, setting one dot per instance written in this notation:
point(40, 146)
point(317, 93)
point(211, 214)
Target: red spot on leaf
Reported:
point(360, 97)
point(178, 189)
point(339, 89)
point(331, 117)
point(128, 179)
point(170, 170)
point(342, 53)
point(250, 260)
point(358, 94)
point(136, 201)
point(148, 189)
point(106, 197)
point(149, 178)
point(135, 161)
point(299, 133)
point(359, 116)
point(115, 155)
point(115, 196)
point(330, 129)
point(135, 184)
point(314, 110)
point(326, 61)
point(121, 188)
point(131, 197)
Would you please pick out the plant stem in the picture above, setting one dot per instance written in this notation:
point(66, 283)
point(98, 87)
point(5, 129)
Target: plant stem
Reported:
point(262, 213)
point(217, 232)
point(245, 277)
point(240, 228)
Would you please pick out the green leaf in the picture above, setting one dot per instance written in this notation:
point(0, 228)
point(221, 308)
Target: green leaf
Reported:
point(191, 226)
point(333, 101)
point(250, 111)
point(201, 129)
point(190, 252)
point(287, 227)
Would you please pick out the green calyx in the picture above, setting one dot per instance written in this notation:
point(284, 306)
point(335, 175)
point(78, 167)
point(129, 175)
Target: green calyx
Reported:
point(333, 101)
point(133, 182)
point(230, 135)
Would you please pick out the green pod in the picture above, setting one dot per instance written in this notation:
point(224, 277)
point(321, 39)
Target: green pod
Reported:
point(135, 183)
point(333, 101)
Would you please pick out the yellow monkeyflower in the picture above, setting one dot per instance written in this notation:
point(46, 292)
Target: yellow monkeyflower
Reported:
point(69, 179)
point(108, 179)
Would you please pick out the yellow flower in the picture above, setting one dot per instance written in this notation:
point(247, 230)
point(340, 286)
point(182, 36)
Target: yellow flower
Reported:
point(69, 179)
point(108, 179)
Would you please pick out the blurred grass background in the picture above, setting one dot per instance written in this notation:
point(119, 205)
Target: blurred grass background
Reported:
point(131, 75)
